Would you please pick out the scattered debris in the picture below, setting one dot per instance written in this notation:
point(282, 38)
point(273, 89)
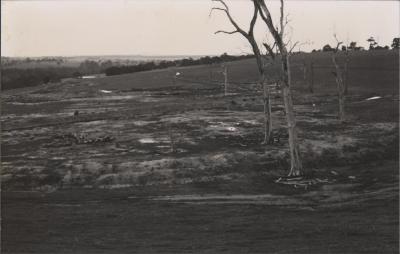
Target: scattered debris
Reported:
point(334, 173)
point(373, 98)
point(83, 138)
point(301, 182)
point(105, 91)
point(276, 140)
point(88, 77)
point(352, 177)
point(76, 113)
point(251, 122)
point(147, 140)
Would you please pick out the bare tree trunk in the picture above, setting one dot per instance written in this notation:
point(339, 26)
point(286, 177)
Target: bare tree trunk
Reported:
point(211, 76)
point(266, 94)
point(340, 87)
point(346, 75)
point(296, 167)
point(267, 112)
point(225, 72)
point(250, 38)
point(311, 78)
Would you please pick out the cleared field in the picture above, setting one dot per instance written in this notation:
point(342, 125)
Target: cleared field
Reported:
point(366, 70)
point(145, 163)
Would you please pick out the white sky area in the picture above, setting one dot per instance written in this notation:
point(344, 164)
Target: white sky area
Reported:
point(180, 27)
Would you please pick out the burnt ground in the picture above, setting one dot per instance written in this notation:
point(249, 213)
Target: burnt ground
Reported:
point(181, 168)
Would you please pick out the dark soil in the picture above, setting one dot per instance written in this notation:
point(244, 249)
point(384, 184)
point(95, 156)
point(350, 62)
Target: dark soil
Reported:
point(110, 178)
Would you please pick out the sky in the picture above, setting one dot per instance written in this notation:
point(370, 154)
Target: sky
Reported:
point(181, 27)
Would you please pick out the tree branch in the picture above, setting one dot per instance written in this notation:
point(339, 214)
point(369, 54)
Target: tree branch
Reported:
point(226, 10)
point(270, 49)
point(281, 20)
point(266, 16)
point(294, 45)
point(253, 20)
point(338, 43)
point(216, 8)
point(226, 32)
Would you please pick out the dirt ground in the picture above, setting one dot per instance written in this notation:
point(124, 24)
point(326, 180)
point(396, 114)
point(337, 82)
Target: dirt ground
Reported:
point(88, 167)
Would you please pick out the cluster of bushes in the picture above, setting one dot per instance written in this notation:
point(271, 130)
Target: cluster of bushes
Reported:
point(116, 70)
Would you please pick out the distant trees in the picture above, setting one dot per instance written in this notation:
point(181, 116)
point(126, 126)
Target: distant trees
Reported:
point(17, 78)
point(372, 43)
point(106, 64)
point(395, 43)
point(353, 45)
point(146, 66)
point(89, 66)
point(327, 48)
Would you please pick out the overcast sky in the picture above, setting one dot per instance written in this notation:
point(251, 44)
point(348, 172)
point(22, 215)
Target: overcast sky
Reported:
point(179, 27)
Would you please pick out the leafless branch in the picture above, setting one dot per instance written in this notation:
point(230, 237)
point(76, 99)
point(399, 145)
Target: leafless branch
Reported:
point(338, 43)
point(226, 10)
point(294, 45)
point(223, 3)
point(287, 20)
point(298, 44)
point(253, 20)
point(215, 8)
point(226, 32)
point(266, 17)
point(281, 19)
point(270, 50)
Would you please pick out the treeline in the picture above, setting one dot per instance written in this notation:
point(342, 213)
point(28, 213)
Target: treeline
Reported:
point(373, 45)
point(24, 77)
point(117, 70)
point(10, 62)
point(17, 78)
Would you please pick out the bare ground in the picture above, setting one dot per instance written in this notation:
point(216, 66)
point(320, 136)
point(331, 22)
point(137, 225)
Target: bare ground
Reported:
point(181, 169)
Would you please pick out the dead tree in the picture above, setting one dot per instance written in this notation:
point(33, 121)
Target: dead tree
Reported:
point(304, 69)
point(257, 53)
point(311, 78)
point(308, 75)
point(339, 76)
point(346, 71)
point(296, 167)
point(225, 73)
